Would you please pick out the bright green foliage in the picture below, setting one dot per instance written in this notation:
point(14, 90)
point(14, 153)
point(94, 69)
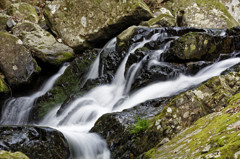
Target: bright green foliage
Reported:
point(142, 125)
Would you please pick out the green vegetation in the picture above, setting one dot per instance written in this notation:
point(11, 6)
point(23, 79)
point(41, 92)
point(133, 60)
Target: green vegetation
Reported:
point(142, 125)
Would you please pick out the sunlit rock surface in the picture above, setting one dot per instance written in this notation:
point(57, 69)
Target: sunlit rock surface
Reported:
point(233, 7)
point(201, 13)
point(16, 62)
point(23, 11)
point(83, 23)
point(42, 44)
point(213, 136)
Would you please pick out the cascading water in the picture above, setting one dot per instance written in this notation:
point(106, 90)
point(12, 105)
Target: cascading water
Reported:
point(79, 117)
point(16, 110)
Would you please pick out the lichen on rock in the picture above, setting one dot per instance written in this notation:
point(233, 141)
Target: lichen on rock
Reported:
point(16, 62)
point(201, 13)
point(23, 11)
point(84, 23)
point(42, 44)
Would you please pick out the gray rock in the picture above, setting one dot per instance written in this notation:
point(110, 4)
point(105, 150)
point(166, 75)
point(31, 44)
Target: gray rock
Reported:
point(83, 23)
point(42, 44)
point(23, 11)
point(16, 61)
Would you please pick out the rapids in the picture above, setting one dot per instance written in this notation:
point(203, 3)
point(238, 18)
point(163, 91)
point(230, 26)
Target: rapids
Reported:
point(79, 117)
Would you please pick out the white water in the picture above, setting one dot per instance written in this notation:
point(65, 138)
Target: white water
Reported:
point(79, 117)
point(16, 110)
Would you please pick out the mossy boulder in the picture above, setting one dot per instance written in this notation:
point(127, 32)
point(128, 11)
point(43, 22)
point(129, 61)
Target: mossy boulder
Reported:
point(85, 23)
point(42, 44)
point(16, 62)
point(199, 46)
point(35, 142)
point(23, 11)
point(213, 136)
point(10, 155)
point(67, 84)
point(201, 13)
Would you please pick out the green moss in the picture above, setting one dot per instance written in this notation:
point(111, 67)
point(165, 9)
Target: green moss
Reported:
point(216, 129)
point(36, 66)
point(212, 49)
point(10, 155)
point(3, 87)
point(142, 125)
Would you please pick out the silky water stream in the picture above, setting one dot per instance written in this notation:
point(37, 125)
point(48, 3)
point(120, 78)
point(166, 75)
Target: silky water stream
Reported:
point(79, 117)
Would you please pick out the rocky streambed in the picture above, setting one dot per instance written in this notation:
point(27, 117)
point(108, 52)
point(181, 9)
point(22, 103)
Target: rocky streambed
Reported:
point(165, 85)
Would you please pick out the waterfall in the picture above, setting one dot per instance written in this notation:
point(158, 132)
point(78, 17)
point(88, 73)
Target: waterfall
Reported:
point(79, 117)
point(16, 110)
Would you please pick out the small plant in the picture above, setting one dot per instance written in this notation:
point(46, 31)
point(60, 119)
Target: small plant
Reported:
point(142, 125)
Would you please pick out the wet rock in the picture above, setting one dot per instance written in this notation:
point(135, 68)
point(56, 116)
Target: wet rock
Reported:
point(99, 20)
point(90, 84)
point(23, 11)
point(201, 14)
point(16, 61)
point(116, 129)
point(67, 84)
point(198, 46)
point(42, 44)
point(10, 155)
point(35, 142)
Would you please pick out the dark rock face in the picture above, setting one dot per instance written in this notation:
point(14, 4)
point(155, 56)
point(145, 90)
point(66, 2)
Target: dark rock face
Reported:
point(16, 61)
point(116, 128)
point(35, 142)
point(69, 83)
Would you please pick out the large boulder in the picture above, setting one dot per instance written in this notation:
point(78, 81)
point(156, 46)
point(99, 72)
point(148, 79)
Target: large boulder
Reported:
point(42, 44)
point(213, 136)
point(16, 61)
point(23, 11)
point(120, 131)
point(202, 14)
point(10, 155)
point(199, 46)
point(83, 23)
point(35, 142)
